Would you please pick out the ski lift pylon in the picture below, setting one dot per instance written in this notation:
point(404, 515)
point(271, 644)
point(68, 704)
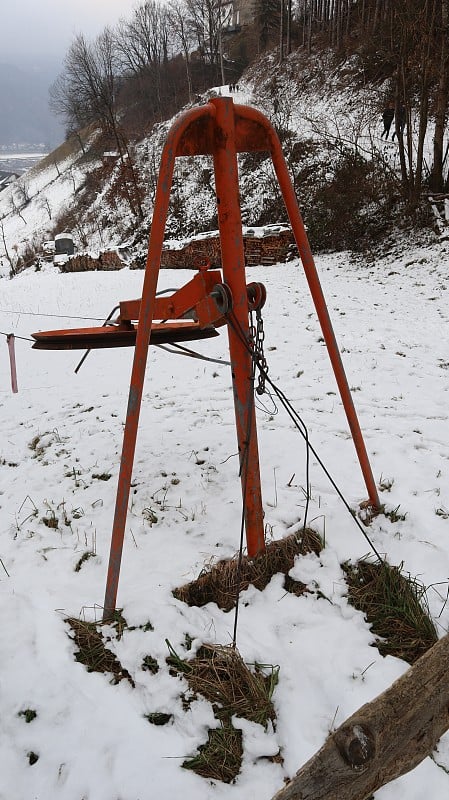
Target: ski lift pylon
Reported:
point(220, 129)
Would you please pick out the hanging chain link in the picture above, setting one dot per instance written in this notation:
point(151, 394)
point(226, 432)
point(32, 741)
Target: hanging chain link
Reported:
point(259, 352)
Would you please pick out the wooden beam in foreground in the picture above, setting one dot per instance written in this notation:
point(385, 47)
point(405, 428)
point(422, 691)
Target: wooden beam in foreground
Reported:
point(384, 739)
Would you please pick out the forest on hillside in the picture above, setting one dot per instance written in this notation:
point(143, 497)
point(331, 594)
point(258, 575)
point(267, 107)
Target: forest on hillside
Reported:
point(164, 54)
point(327, 73)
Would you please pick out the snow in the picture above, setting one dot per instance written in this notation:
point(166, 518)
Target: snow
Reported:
point(91, 737)
point(30, 206)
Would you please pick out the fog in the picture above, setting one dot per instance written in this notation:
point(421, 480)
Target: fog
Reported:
point(35, 39)
point(36, 31)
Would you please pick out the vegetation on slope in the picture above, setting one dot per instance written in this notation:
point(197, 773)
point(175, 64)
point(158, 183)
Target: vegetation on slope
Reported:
point(323, 72)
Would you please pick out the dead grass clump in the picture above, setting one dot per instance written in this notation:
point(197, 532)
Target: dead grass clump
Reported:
point(221, 583)
point(294, 587)
point(158, 718)
point(51, 521)
point(395, 605)
point(85, 557)
point(93, 653)
point(220, 758)
point(221, 676)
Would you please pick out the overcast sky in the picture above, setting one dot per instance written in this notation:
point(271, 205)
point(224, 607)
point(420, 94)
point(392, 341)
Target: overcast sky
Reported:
point(47, 27)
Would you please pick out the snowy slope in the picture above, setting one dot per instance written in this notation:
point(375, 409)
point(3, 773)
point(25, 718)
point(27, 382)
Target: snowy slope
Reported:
point(30, 207)
point(62, 430)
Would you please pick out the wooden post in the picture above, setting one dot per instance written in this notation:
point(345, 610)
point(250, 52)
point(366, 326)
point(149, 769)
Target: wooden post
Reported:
point(384, 739)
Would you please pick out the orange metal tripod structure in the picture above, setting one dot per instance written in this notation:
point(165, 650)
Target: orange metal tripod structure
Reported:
point(222, 130)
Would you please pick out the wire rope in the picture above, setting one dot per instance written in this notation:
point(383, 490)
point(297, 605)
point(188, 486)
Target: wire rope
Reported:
point(57, 316)
point(301, 427)
point(24, 338)
point(186, 351)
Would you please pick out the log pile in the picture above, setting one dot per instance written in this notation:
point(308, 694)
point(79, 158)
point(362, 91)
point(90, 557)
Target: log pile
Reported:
point(272, 248)
point(107, 260)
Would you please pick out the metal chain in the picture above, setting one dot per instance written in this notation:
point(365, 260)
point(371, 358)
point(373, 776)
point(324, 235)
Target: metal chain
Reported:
point(252, 334)
point(259, 353)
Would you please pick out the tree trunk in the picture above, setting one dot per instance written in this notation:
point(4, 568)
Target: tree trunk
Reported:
point(437, 179)
point(309, 30)
point(406, 178)
point(288, 45)
point(281, 32)
point(423, 119)
point(384, 739)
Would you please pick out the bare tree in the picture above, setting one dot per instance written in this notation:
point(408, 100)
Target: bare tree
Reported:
point(11, 261)
point(16, 207)
point(45, 205)
point(142, 45)
point(204, 20)
point(409, 41)
point(182, 36)
point(86, 92)
point(22, 188)
point(437, 182)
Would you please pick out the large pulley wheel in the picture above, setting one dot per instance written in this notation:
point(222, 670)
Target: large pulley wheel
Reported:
point(257, 295)
point(223, 298)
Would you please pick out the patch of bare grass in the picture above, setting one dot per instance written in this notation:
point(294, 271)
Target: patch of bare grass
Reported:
point(85, 557)
point(221, 676)
point(222, 582)
point(92, 651)
point(395, 605)
point(220, 758)
point(158, 718)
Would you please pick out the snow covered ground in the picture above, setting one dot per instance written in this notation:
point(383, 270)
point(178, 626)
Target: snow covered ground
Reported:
point(61, 430)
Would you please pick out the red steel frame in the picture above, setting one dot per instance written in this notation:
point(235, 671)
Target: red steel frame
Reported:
point(222, 129)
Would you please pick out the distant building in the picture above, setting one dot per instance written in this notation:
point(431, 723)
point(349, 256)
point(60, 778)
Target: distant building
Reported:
point(64, 247)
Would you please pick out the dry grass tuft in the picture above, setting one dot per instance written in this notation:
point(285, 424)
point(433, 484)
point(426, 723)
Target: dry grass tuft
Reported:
point(221, 583)
point(395, 605)
point(158, 718)
point(221, 676)
point(93, 653)
point(220, 758)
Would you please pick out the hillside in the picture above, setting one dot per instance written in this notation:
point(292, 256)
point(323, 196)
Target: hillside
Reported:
point(345, 175)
